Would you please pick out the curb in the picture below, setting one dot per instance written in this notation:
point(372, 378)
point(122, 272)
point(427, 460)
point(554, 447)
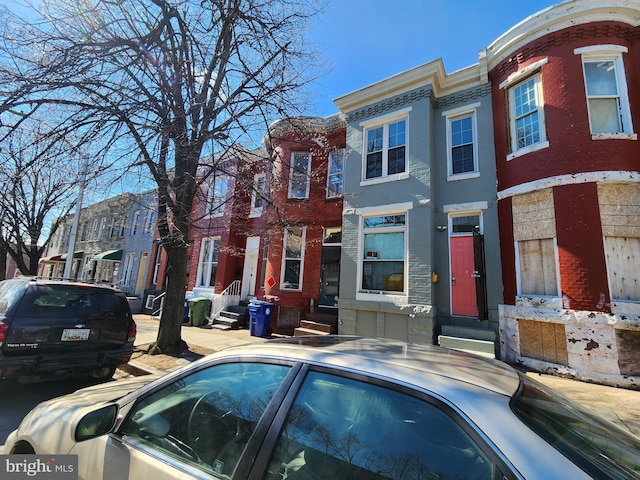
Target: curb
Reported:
point(138, 369)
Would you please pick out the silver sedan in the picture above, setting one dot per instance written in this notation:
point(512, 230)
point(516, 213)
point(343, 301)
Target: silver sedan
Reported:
point(329, 407)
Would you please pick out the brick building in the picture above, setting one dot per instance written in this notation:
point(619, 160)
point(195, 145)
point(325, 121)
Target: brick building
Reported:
point(565, 103)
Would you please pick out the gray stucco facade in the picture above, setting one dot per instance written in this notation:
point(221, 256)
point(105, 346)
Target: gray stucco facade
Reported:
point(402, 219)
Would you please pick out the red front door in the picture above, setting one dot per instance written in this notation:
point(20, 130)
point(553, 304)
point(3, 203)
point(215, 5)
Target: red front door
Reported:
point(463, 282)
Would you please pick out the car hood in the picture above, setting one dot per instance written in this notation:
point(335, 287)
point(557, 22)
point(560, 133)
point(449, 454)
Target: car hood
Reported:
point(55, 419)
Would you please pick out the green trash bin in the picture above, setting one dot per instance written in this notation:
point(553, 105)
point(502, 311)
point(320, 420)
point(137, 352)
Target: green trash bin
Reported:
point(198, 311)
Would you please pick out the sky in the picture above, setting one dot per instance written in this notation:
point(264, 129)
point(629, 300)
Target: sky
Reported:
point(367, 41)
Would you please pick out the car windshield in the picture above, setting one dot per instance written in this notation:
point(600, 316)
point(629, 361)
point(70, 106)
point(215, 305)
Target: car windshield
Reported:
point(598, 447)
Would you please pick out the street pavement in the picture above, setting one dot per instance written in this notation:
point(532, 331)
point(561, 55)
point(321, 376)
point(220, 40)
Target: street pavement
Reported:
point(619, 405)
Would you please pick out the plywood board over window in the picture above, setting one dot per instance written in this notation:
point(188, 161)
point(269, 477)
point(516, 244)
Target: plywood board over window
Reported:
point(543, 341)
point(623, 260)
point(538, 267)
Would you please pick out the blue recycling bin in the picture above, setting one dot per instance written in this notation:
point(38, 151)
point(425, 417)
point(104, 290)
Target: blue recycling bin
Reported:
point(260, 318)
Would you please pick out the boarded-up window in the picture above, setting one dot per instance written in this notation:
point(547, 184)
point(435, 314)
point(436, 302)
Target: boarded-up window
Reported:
point(623, 260)
point(543, 341)
point(538, 267)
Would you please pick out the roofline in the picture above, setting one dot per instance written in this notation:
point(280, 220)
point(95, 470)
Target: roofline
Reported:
point(558, 17)
point(432, 73)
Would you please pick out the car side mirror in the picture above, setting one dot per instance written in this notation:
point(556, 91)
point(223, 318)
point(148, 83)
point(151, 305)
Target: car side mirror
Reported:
point(96, 423)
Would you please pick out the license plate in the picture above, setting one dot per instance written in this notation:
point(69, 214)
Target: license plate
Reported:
point(73, 334)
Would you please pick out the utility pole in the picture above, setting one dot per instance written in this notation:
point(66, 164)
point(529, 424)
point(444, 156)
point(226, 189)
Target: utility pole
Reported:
point(76, 220)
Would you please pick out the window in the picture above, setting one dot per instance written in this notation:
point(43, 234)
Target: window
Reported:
point(332, 236)
point(149, 224)
point(112, 227)
point(462, 150)
point(205, 419)
point(157, 263)
point(85, 228)
point(127, 270)
point(537, 261)
point(385, 150)
point(208, 263)
point(103, 227)
point(257, 195)
point(94, 229)
point(123, 226)
point(218, 196)
point(527, 114)
point(294, 238)
point(606, 89)
point(341, 428)
point(335, 174)
point(300, 175)
point(135, 223)
point(383, 253)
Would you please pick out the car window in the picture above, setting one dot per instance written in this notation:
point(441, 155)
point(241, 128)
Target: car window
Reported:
point(206, 419)
point(9, 293)
point(599, 448)
point(67, 301)
point(341, 429)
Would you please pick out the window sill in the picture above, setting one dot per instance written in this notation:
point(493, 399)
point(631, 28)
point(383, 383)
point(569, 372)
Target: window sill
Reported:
point(529, 149)
point(381, 297)
point(614, 136)
point(388, 178)
point(462, 176)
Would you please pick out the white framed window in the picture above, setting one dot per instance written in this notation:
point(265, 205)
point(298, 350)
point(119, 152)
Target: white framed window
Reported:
point(217, 196)
point(208, 262)
point(127, 269)
point(293, 258)
point(135, 222)
point(335, 173)
point(85, 228)
point(606, 89)
point(462, 146)
point(112, 227)
point(300, 175)
point(123, 226)
point(332, 236)
point(257, 194)
point(526, 114)
point(94, 229)
point(385, 150)
point(103, 227)
point(149, 303)
point(384, 254)
point(156, 265)
point(150, 222)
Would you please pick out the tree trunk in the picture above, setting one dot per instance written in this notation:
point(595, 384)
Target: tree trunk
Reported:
point(169, 333)
point(3, 262)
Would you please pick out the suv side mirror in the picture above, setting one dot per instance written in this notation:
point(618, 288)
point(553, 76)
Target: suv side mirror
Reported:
point(96, 423)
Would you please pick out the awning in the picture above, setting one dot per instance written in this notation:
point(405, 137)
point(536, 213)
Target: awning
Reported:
point(61, 257)
point(109, 255)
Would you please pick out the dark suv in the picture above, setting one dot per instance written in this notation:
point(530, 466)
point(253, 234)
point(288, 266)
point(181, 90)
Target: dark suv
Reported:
point(52, 329)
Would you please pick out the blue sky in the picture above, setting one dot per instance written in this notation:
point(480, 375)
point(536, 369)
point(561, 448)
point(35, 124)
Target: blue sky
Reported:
point(369, 40)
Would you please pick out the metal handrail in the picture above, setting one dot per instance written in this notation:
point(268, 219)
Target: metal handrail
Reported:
point(158, 297)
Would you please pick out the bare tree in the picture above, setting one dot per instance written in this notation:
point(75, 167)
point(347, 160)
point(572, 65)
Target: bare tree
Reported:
point(173, 80)
point(37, 180)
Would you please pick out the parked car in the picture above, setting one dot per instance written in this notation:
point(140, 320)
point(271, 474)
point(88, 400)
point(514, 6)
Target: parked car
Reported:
point(54, 329)
point(329, 407)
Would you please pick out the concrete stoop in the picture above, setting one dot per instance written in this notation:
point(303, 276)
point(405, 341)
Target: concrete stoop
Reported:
point(468, 339)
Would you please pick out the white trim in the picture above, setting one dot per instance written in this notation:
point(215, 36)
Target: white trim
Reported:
point(598, 49)
point(384, 209)
point(465, 207)
point(515, 77)
point(386, 118)
point(257, 211)
point(526, 150)
point(452, 116)
point(612, 176)
point(385, 179)
point(461, 110)
point(284, 258)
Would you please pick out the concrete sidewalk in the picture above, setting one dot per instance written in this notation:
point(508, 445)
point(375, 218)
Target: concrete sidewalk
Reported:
point(619, 405)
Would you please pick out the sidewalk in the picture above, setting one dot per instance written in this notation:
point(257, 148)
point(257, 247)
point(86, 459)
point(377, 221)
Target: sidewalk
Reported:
point(619, 405)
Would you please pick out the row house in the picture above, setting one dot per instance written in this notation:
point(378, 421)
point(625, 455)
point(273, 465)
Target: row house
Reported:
point(497, 208)
point(420, 256)
point(566, 103)
point(267, 225)
point(112, 243)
